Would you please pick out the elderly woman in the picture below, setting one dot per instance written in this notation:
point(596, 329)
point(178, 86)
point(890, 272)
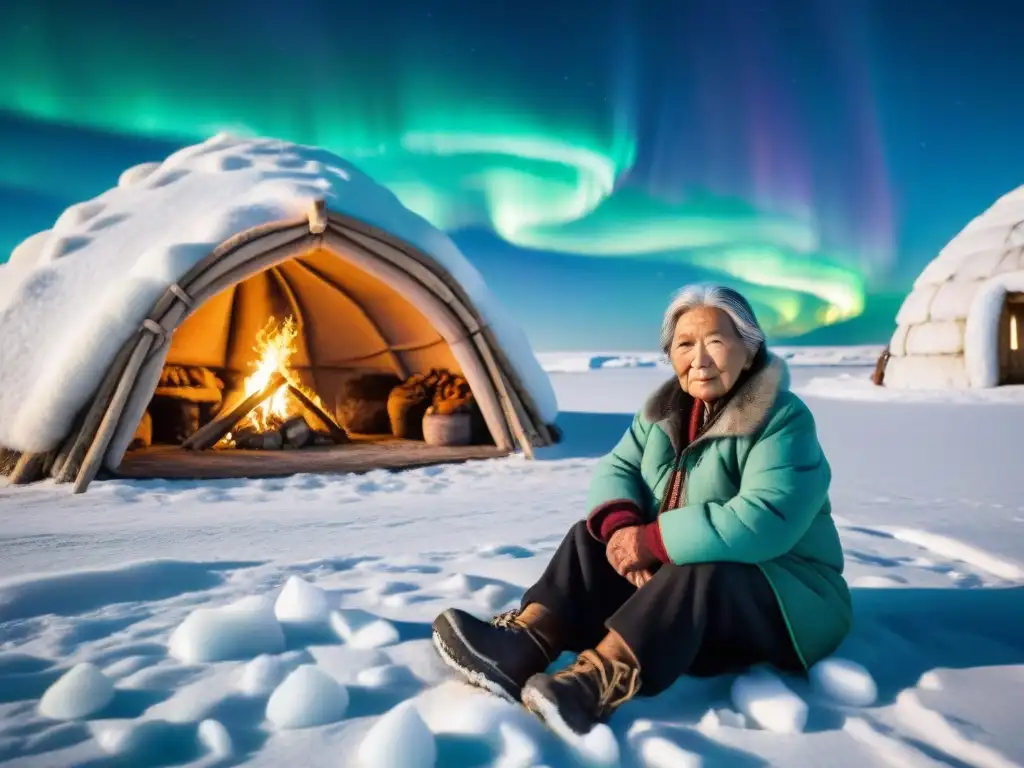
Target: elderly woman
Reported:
point(709, 546)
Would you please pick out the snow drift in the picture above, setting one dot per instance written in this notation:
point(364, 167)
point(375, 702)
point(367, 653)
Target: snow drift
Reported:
point(71, 296)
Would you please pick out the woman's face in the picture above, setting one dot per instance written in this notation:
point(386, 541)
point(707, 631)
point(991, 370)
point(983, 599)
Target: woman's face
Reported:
point(707, 353)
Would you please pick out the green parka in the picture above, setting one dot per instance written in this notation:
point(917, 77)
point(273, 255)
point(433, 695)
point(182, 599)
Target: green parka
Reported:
point(755, 490)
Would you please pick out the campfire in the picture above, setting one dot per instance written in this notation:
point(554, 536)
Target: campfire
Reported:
point(276, 411)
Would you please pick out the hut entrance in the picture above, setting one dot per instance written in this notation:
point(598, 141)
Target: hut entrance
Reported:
point(309, 365)
point(1011, 340)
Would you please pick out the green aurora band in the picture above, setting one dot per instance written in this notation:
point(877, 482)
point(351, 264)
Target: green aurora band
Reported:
point(460, 159)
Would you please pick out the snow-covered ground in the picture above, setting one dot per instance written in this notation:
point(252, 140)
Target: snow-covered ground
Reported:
point(286, 622)
point(580, 362)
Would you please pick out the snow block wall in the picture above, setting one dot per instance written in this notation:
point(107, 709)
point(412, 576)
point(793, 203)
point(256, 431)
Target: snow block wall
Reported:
point(947, 329)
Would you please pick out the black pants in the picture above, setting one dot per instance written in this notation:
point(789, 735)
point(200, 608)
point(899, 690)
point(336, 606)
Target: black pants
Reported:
point(699, 620)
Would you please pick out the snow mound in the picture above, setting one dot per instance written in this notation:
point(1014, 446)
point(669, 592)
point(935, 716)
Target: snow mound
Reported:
point(82, 691)
point(491, 593)
point(215, 738)
point(244, 629)
point(384, 676)
point(301, 603)
point(308, 697)
point(845, 681)
point(261, 675)
point(518, 749)
point(657, 751)
point(149, 742)
point(762, 697)
point(400, 739)
point(362, 629)
point(107, 261)
point(721, 718)
point(930, 681)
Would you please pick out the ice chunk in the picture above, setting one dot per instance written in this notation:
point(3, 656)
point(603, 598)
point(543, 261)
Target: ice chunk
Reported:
point(233, 632)
point(845, 681)
point(361, 629)
point(215, 737)
point(261, 675)
point(765, 699)
point(457, 585)
point(301, 603)
point(307, 697)
point(80, 692)
point(400, 739)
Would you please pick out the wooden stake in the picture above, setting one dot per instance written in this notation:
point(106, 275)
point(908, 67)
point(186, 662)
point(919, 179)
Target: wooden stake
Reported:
point(30, 467)
point(208, 435)
point(339, 435)
point(71, 461)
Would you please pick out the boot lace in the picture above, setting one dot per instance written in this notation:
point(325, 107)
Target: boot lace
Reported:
point(511, 620)
point(612, 682)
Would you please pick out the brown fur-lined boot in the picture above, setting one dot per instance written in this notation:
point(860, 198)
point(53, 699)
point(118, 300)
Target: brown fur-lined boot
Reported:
point(500, 655)
point(577, 698)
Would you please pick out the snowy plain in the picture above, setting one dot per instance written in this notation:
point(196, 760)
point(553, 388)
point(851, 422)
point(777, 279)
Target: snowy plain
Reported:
point(286, 621)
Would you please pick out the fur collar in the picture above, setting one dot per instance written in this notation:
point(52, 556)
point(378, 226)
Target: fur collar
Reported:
point(743, 414)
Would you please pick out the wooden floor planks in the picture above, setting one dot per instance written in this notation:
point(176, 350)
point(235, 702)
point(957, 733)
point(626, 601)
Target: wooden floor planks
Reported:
point(173, 463)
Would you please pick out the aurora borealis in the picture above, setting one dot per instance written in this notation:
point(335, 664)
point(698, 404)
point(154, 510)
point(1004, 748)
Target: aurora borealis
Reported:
point(588, 157)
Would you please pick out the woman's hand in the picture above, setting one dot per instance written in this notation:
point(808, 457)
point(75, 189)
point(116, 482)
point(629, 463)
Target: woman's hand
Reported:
point(628, 556)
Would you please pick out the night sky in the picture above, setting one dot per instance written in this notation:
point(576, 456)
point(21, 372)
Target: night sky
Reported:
point(589, 156)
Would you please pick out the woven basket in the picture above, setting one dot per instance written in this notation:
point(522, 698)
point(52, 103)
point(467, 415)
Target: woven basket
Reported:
point(447, 429)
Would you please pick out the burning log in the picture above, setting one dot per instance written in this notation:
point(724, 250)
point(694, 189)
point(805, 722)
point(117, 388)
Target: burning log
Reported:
point(293, 434)
point(209, 434)
point(338, 435)
point(296, 432)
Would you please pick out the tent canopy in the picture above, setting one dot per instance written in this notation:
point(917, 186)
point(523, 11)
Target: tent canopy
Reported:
point(186, 259)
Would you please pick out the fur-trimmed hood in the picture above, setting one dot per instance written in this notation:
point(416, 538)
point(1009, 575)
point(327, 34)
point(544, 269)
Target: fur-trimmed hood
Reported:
point(745, 411)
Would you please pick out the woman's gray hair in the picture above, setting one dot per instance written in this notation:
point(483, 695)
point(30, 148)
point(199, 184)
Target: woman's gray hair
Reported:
point(720, 297)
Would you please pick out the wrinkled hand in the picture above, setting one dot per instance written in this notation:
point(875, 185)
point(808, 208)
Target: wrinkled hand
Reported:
point(629, 558)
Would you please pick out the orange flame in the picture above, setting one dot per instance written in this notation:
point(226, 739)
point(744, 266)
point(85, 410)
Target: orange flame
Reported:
point(275, 345)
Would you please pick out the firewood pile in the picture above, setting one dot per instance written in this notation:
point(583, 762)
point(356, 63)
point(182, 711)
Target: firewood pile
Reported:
point(295, 431)
point(292, 434)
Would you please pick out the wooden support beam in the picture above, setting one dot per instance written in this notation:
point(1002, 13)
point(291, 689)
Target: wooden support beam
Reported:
point(317, 217)
point(30, 468)
point(70, 462)
point(208, 435)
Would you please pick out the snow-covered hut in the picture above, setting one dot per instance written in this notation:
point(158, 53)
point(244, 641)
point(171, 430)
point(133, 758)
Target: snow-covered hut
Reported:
point(962, 325)
point(163, 288)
